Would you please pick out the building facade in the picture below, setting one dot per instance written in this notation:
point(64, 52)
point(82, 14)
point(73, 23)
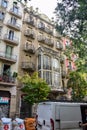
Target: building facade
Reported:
point(10, 34)
point(28, 43)
point(40, 50)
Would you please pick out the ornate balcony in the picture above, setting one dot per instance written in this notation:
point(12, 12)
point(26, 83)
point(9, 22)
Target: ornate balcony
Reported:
point(9, 58)
point(41, 26)
point(13, 25)
point(59, 46)
point(49, 31)
point(49, 41)
point(41, 38)
point(15, 13)
point(29, 33)
point(12, 40)
point(30, 21)
point(29, 48)
point(28, 66)
point(7, 80)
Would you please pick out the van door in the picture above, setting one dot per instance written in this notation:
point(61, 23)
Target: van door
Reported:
point(84, 115)
point(70, 116)
point(44, 116)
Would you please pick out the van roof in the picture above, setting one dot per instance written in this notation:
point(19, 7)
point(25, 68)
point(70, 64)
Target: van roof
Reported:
point(63, 102)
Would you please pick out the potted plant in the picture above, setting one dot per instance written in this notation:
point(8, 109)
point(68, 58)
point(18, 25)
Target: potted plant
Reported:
point(15, 74)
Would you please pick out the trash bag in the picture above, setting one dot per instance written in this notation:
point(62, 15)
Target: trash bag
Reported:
point(19, 124)
point(30, 123)
point(6, 123)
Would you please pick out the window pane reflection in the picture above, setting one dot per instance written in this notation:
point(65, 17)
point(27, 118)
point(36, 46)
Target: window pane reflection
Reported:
point(46, 62)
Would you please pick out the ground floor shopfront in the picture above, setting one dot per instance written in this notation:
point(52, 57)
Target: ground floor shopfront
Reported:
point(7, 101)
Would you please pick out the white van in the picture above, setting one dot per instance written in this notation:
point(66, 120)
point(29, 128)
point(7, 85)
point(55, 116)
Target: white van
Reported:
point(60, 115)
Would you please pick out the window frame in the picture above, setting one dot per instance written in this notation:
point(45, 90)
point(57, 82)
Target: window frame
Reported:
point(4, 3)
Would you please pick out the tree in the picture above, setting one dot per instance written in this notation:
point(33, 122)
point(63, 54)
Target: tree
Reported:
point(35, 88)
point(71, 20)
point(77, 81)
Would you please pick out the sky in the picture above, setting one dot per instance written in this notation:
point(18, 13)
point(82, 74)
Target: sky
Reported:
point(45, 6)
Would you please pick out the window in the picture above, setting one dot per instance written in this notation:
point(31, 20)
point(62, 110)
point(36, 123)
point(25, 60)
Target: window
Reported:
point(4, 3)
point(29, 46)
point(6, 69)
point(11, 35)
point(47, 76)
point(8, 51)
point(50, 71)
point(56, 79)
point(41, 25)
point(39, 62)
point(70, 66)
point(46, 62)
point(15, 9)
point(13, 20)
point(2, 14)
point(67, 42)
point(56, 65)
point(0, 30)
point(31, 18)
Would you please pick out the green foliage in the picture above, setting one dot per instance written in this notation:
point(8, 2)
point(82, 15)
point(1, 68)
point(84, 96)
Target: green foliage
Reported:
point(15, 74)
point(71, 19)
point(78, 83)
point(72, 16)
point(36, 89)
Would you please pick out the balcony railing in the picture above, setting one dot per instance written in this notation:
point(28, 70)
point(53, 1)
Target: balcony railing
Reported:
point(15, 13)
point(13, 40)
point(6, 57)
point(59, 46)
point(13, 25)
point(29, 48)
point(28, 66)
point(42, 27)
point(30, 21)
point(49, 41)
point(29, 33)
point(7, 80)
point(48, 30)
point(41, 38)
